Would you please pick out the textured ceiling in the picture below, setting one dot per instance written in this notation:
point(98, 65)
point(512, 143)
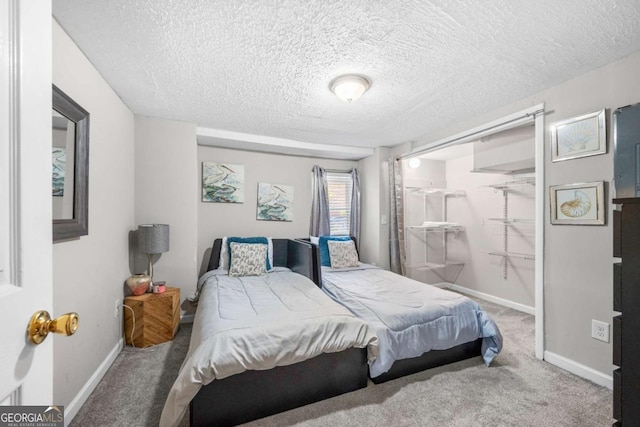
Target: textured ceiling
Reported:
point(263, 67)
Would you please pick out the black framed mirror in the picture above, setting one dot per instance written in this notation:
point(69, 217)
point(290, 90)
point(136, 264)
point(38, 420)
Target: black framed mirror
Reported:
point(70, 168)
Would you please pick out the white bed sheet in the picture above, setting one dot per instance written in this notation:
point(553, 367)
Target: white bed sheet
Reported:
point(257, 323)
point(409, 317)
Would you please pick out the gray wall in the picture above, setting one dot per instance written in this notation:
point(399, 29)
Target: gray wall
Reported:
point(89, 272)
point(578, 259)
point(374, 183)
point(166, 183)
point(227, 219)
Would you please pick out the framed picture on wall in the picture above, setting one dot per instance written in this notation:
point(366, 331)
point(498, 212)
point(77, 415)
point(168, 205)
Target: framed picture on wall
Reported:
point(580, 136)
point(275, 202)
point(59, 159)
point(578, 204)
point(222, 182)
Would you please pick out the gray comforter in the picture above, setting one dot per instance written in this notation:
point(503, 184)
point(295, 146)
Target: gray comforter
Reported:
point(410, 317)
point(256, 323)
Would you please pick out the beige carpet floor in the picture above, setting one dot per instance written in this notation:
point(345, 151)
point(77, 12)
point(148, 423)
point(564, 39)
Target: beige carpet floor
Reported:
point(517, 390)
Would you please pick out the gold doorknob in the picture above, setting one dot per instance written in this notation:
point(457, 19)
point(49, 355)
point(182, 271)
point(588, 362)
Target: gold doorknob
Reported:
point(41, 324)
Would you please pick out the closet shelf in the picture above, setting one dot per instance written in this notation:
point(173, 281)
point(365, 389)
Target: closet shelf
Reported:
point(524, 184)
point(437, 226)
point(436, 191)
point(514, 255)
point(513, 220)
point(436, 266)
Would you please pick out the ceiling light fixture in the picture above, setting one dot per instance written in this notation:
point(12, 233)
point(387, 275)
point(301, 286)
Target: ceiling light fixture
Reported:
point(414, 162)
point(349, 87)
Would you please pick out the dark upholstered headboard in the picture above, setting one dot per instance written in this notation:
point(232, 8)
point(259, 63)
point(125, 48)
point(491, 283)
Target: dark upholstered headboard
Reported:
point(294, 254)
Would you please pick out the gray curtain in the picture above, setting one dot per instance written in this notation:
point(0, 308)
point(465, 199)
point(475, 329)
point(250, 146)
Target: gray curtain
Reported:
point(354, 220)
point(397, 256)
point(319, 204)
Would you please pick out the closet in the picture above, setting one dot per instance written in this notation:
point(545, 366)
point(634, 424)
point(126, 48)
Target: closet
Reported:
point(469, 217)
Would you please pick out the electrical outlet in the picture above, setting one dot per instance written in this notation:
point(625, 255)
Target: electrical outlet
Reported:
point(599, 330)
point(117, 307)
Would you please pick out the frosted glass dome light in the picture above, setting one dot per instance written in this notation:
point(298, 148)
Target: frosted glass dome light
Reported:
point(414, 162)
point(349, 87)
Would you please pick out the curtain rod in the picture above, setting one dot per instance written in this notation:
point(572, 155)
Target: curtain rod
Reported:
point(338, 170)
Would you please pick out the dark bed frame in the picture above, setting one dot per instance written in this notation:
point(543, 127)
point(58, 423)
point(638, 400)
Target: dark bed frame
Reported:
point(251, 395)
point(428, 360)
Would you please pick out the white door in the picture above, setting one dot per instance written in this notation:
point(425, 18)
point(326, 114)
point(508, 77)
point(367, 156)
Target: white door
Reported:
point(26, 376)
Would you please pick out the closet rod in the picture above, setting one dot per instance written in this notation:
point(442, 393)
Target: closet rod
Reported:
point(476, 133)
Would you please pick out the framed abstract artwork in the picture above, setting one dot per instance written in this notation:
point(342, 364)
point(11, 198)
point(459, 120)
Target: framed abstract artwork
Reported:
point(275, 202)
point(222, 183)
point(580, 136)
point(59, 161)
point(578, 204)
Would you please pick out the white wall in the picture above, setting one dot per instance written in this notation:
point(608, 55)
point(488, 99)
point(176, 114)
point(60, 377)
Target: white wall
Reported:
point(578, 259)
point(166, 192)
point(227, 219)
point(89, 272)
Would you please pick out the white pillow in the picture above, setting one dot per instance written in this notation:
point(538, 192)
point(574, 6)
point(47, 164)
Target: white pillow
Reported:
point(224, 254)
point(248, 259)
point(342, 253)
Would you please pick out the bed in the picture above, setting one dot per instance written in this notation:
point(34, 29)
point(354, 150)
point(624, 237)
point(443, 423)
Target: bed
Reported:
point(419, 326)
point(265, 344)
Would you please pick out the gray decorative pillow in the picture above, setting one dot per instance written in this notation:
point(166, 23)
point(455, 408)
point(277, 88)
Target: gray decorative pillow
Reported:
point(342, 254)
point(248, 259)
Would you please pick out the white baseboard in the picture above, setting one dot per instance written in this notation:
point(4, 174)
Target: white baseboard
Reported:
point(500, 301)
point(579, 369)
point(187, 318)
point(71, 410)
point(442, 285)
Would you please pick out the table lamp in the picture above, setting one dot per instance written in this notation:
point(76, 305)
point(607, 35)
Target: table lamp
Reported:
point(153, 239)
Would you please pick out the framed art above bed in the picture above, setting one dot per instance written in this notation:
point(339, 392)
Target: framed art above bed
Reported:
point(222, 182)
point(275, 202)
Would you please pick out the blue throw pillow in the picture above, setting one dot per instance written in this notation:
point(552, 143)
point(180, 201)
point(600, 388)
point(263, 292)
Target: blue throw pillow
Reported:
point(325, 258)
point(247, 240)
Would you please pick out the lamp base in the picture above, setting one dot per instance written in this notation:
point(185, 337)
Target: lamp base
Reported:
point(150, 272)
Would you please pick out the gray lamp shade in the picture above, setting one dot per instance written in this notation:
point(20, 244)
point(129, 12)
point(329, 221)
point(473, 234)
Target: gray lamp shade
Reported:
point(153, 238)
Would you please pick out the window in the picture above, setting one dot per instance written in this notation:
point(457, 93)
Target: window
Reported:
point(339, 190)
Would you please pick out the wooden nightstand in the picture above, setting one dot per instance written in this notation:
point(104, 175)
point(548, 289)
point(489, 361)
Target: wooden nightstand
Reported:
point(157, 317)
